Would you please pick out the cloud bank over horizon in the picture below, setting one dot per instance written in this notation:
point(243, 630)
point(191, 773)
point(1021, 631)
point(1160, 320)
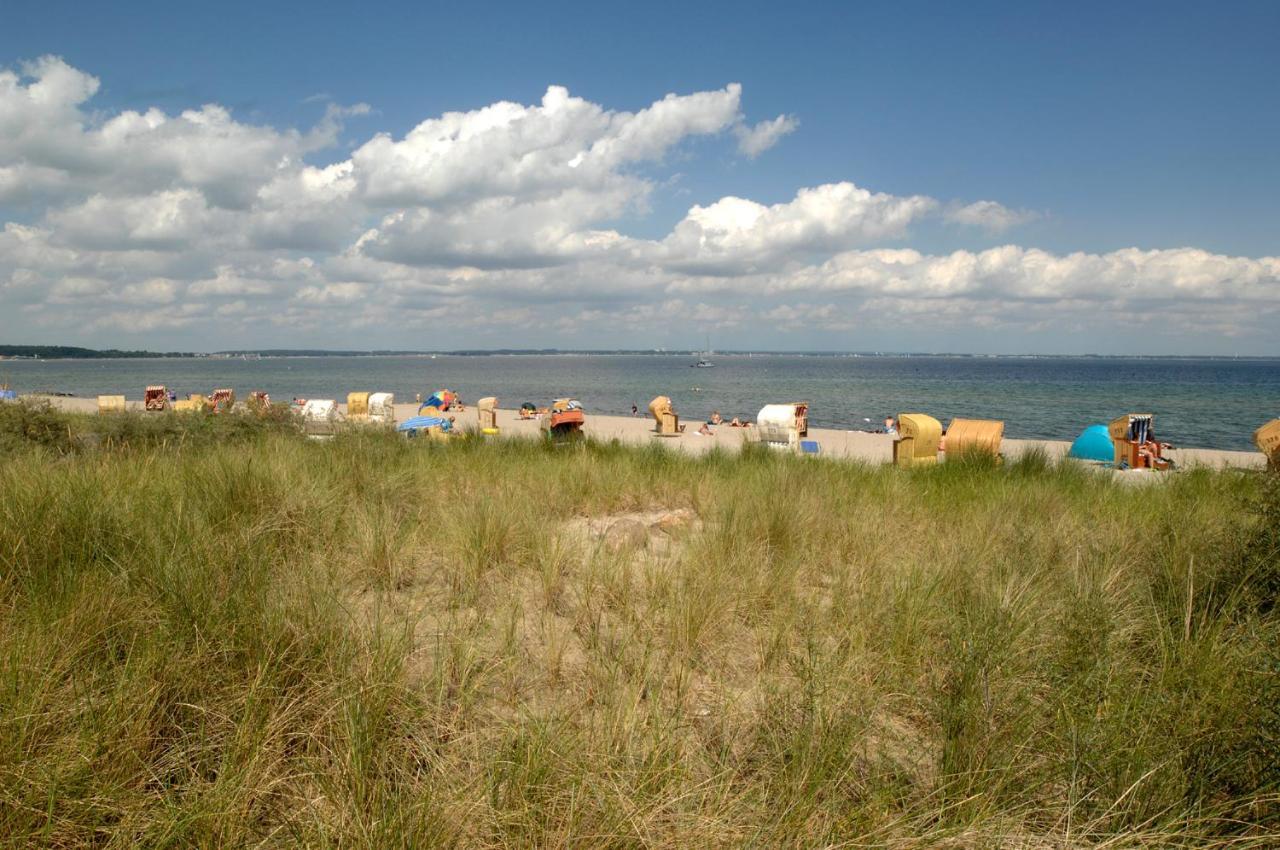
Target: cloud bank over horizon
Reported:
point(513, 225)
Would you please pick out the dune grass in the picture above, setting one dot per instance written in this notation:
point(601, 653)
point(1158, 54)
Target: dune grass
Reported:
point(245, 638)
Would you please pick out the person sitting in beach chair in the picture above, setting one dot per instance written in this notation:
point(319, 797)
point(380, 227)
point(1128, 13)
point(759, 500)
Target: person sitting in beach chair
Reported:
point(1136, 446)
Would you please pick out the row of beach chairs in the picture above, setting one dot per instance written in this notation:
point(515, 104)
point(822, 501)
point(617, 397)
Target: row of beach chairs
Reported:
point(920, 438)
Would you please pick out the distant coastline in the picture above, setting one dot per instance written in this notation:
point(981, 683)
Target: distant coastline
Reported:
point(67, 352)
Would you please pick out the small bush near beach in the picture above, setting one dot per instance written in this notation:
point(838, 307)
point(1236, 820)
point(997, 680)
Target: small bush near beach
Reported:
point(217, 633)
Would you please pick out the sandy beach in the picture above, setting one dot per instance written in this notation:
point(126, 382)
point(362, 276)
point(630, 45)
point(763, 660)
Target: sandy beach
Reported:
point(854, 445)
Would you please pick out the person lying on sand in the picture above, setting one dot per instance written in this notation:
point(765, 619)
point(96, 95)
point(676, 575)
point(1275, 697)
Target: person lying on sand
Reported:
point(705, 430)
point(736, 423)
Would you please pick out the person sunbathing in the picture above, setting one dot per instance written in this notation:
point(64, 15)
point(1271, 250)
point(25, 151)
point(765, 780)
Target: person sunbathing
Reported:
point(705, 430)
point(1151, 452)
point(736, 423)
point(716, 419)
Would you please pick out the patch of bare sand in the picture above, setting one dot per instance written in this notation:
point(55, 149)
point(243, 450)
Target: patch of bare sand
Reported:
point(656, 531)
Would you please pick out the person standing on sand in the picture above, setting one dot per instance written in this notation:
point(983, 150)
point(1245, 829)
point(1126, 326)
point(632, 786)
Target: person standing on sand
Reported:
point(634, 409)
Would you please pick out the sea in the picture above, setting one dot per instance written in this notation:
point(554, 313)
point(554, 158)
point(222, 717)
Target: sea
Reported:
point(1206, 403)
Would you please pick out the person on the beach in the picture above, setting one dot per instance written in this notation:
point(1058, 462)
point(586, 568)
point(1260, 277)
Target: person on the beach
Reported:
point(716, 419)
point(890, 426)
point(736, 423)
point(705, 430)
point(1153, 452)
point(634, 409)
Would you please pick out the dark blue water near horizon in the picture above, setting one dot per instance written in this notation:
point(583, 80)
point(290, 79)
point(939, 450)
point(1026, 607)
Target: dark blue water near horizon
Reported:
point(1210, 403)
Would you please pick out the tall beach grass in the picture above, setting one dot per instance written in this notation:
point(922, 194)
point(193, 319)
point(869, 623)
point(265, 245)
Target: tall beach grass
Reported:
point(220, 633)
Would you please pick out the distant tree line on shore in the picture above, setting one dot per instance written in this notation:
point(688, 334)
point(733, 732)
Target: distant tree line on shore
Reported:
point(52, 352)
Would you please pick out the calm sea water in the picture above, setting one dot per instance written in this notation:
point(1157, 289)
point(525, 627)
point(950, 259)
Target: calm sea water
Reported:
point(1206, 403)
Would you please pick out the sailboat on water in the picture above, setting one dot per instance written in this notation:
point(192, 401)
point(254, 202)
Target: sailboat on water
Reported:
point(704, 361)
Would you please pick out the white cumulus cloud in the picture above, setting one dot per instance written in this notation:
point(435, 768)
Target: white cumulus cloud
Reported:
point(754, 141)
point(503, 223)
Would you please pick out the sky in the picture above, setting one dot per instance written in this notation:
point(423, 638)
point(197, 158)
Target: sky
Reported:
point(987, 178)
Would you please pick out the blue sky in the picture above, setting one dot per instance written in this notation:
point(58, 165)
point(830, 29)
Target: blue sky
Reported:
point(1096, 127)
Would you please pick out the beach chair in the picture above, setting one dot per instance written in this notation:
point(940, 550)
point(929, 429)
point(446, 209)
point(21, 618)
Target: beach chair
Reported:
point(357, 406)
point(156, 398)
point(222, 400)
point(979, 436)
point(1267, 439)
point(918, 437)
point(667, 421)
point(382, 408)
point(1134, 438)
point(563, 421)
point(487, 411)
point(111, 404)
point(782, 426)
point(259, 401)
point(320, 418)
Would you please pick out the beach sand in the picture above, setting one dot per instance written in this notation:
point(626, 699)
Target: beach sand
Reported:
point(856, 445)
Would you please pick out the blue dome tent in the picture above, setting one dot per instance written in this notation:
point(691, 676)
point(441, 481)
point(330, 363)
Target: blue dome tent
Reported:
point(1093, 444)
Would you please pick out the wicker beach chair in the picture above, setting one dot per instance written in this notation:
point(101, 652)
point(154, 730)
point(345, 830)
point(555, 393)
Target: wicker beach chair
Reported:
point(1134, 438)
point(918, 437)
point(564, 420)
point(382, 408)
point(487, 412)
point(222, 400)
point(111, 404)
point(667, 421)
point(1267, 439)
point(979, 436)
point(357, 406)
point(156, 398)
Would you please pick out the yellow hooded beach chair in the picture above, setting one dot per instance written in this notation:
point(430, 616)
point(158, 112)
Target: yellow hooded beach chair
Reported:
point(111, 404)
point(918, 438)
point(666, 420)
point(357, 405)
point(974, 435)
point(1267, 439)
